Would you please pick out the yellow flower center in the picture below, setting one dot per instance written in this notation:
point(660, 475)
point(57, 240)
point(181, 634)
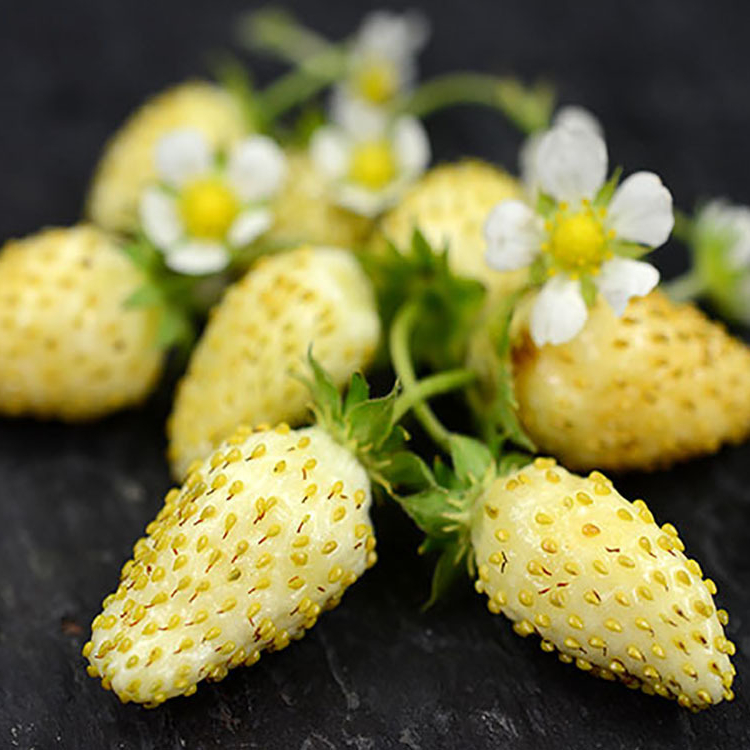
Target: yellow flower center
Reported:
point(208, 208)
point(377, 82)
point(373, 164)
point(577, 241)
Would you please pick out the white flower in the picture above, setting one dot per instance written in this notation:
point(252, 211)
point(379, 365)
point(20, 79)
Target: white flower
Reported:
point(581, 233)
point(201, 209)
point(381, 66)
point(369, 167)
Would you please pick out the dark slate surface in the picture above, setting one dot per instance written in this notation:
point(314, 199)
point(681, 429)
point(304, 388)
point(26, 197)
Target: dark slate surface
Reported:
point(671, 81)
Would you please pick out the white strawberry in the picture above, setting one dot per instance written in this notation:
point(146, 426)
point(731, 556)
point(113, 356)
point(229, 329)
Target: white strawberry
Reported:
point(265, 533)
point(568, 558)
point(243, 369)
point(69, 347)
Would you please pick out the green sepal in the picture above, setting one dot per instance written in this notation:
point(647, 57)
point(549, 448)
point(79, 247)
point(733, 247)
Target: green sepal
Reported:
point(327, 403)
point(589, 290)
point(546, 205)
point(357, 392)
point(626, 249)
point(471, 459)
point(511, 461)
point(607, 190)
point(370, 422)
point(449, 568)
point(449, 305)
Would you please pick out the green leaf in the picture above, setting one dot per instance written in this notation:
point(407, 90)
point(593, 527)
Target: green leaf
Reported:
point(607, 190)
point(448, 570)
point(430, 510)
point(471, 459)
point(357, 392)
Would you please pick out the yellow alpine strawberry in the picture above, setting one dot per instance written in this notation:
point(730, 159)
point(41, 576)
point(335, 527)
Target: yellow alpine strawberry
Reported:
point(127, 163)
point(660, 384)
point(266, 533)
point(568, 558)
point(68, 346)
point(304, 213)
point(450, 205)
point(243, 369)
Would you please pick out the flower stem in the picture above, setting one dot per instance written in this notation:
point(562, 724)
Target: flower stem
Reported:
point(686, 287)
point(683, 226)
point(529, 109)
point(432, 385)
point(401, 330)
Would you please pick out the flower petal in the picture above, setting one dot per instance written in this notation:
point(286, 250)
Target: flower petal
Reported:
point(159, 218)
point(196, 258)
point(257, 168)
point(622, 278)
point(559, 312)
point(411, 145)
point(571, 164)
point(330, 150)
point(573, 117)
point(249, 225)
point(394, 36)
point(357, 117)
point(514, 234)
point(182, 154)
point(641, 210)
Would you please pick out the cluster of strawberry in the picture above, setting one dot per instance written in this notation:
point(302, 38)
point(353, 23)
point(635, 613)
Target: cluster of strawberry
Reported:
point(270, 524)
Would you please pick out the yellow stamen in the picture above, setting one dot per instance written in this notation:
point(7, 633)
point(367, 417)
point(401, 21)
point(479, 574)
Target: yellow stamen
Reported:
point(208, 207)
point(373, 164)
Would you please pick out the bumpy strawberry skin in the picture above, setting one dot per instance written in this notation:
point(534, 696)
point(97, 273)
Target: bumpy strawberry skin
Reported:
point(266, 533)
point(127, 164)
point(68, 346)
point(451, 204)
point(303, 211)
point(243, 369)
point(659, 385)
point(570, 559)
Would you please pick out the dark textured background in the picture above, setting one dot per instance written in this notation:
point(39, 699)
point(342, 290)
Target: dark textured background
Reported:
point(670, 81)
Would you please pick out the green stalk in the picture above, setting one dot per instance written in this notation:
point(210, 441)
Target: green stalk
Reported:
point(529, 109)
point(401, 330)
point(427, 388)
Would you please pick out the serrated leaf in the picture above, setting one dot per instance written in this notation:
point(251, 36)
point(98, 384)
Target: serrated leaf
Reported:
point(471, 459)
point(357, 392)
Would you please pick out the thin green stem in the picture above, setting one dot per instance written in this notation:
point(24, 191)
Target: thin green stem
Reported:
point(301, 84)
point(686, 287)
point(432, 385)
point(528, 108)
point(683, 226)
point(401, 329)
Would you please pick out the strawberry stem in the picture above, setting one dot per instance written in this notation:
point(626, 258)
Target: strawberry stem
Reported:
point(432, 385)
point(414, 394)
point(528, 108)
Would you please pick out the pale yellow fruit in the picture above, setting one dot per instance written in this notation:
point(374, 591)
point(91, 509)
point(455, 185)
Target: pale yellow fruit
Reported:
point(127, 164)
point(68, 346)
point(245, 365)
point(304, 212)
point(570, 559)
point(659, 385)
point(264, 535)
point(450, 204)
